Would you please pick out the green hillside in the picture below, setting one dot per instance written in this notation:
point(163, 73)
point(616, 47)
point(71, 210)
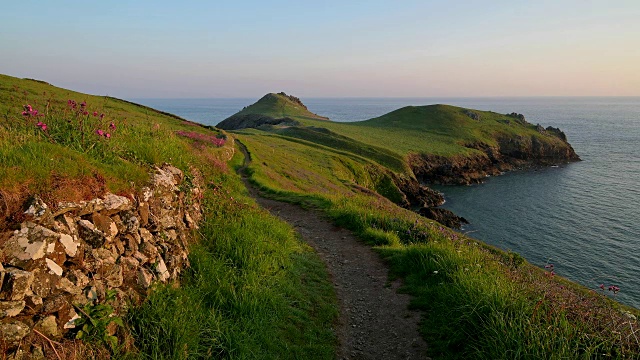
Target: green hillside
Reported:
point(254, 290)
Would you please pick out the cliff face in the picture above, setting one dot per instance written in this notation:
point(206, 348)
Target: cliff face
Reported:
point(515, 152)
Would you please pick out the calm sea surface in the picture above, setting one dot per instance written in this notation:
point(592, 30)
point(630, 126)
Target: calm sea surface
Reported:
point(583, 217)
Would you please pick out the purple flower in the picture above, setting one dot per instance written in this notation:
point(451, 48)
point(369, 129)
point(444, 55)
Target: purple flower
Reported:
point(42, 126)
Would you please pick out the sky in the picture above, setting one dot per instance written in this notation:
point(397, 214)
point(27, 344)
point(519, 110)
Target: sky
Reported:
point(209, 49)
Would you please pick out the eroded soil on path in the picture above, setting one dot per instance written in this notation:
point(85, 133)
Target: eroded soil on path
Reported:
point(375, 322)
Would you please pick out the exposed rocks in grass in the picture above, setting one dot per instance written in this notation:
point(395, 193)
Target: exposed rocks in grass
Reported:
point(472, 114)
point(73, 253)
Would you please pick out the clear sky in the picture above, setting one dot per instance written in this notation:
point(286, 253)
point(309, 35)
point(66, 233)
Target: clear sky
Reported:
point(141, 49)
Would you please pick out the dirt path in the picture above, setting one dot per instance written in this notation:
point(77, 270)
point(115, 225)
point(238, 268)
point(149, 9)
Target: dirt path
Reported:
point(375, 322)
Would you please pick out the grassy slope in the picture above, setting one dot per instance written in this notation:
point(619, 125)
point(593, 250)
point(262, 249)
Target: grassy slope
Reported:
point(435, 129)
point(479, 302)
point(254, 290)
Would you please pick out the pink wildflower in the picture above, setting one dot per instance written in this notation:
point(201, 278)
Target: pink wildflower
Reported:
point(85, 113)
point(101, 116)
point(95, 113)
point(25, 113)
point(107, 135)
point(42, 126)
point(601, 286)
point(28, 108)
point(100, 132)
point(83, 104)
point(112, 126)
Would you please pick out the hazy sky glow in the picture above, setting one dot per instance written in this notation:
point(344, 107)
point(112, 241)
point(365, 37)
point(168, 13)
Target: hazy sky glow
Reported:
point(136, 49)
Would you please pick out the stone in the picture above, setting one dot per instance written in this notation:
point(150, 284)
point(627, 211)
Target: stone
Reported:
point(130, 222)
point(149, 250)
point(143, 210)
point(145, 278)
point(103, 256)
point(16, 284)
point(53, 267)
point(114, 204)
point(140, 257)
point(71, 322)
point(146, 235)
point(13, 331)
point(91, 293)
point(164, 179)
point(43, 281)
point(78, 278)
point(93, 206)
point(49, 327)
point(37, 208)
point(11, 308)
point(1, 276)
point(191, 224)
point(70, 223)
point(31, 242)
point(112, 275)
point(161, 270)
point(56, 252)
point(105, 224)
point(90, 234)
point(54, 303)
point(65, 207)
point(70, 244)
point(37, 353)
point(67, 286)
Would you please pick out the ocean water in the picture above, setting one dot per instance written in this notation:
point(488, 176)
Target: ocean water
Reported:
point(582, 217)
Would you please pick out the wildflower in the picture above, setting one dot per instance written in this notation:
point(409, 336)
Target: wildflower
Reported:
point(107, 135)
point(100, 132)
point(25, 113)
point(601, 286)
point(85, 113)
point(548, 266)
point(42, 126)
point(83, 104)
point(112, 126)
point(101, 116)
point(95, 113)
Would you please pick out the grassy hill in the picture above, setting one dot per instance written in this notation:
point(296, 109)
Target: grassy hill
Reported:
point(254, 290)
point(247, 290)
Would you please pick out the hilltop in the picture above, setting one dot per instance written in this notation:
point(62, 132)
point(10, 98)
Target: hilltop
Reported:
point(272, 109)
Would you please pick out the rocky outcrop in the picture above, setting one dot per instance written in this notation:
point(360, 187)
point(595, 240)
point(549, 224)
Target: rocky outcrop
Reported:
point(443, 216)
point(73, 253)
point(511, 152)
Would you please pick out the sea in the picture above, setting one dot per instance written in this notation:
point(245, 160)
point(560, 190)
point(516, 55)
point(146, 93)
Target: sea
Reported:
point(583, 217)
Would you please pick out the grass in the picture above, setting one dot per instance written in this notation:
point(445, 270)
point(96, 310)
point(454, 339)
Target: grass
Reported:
point(477, 301)
point(254, 290)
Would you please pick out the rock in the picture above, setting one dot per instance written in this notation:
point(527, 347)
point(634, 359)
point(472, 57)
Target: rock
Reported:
point(49, 327)
point(54, 303)
point(443, 216)
point(13, 331)
point(113, 204)
point(70, 244)
point(53, 267)
point(90, 234)
point(67, 286)
point(149, 250)
point(93, 206)
point(17, 283)
point(29, 243)
point(472, 114)
point(11, 308)
point(141, 257)
point(78, 278)
point(1, 276)
point(65, 207)
point(104, 223)
point(103, 256)
point(56, 252)
point(130, 221)
point(37, 353)
point(44, 281)
point(143, 210)
point(37, 208)
point(70, 323)
point(161, 270)
point(145, 278)
point(112, 275)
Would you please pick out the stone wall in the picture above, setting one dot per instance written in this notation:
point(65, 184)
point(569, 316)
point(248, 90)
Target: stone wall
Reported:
point(72, 253)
